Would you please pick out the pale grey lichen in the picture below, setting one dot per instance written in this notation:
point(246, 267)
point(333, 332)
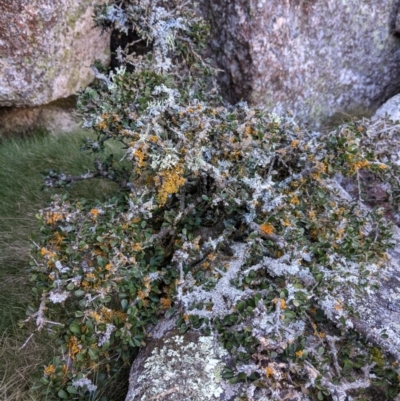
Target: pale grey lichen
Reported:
point(58, 297)
point(84, 382)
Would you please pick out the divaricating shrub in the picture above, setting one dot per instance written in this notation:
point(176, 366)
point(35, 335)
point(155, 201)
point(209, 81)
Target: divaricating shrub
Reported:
point(228, 217)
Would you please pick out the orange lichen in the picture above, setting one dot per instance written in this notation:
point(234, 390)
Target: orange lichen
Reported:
point(137, 247)
point(140, 157)
point(153, 138)
point(53, 217)
point(102, 125)
point(142, 294)
point(94, 212)
point(97, 318)
point(58, 238)
point(282, 302)
point(340, 233)
point(165, 303)
point(172, 180)
point(107, 314)
point(269, 371)
point(121, 315)
point(359, 165)
point(46, 253)
point(49, 370)
point(339, 306)
point(249, 130)
point(267, 229)
point(73, 347)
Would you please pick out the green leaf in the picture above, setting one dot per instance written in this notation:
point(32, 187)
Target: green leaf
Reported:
point(169, 313)
point(75, 329)
point(72, 390)
point(89, 324)
point(242, 376)
point(93, 354)
point(63, 395)
point(241, 306)
point(124, 304)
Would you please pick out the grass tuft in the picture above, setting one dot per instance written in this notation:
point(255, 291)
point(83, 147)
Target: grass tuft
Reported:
point(22, 161)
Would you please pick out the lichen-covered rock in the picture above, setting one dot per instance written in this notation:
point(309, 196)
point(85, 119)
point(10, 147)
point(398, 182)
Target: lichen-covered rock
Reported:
point(178, 367)
point(390, 109)
point(378, 318)
point(316, 58)
point(46, 49)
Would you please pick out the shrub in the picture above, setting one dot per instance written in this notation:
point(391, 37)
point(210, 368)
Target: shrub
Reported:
point(228, 216)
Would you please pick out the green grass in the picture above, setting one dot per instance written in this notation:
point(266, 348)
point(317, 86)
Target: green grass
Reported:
point(21, 163)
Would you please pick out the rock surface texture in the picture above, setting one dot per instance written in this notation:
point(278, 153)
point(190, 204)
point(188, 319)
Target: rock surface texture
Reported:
point(178, 367)
point(57, 117)
point(46, 49)
point(319, 59)
point(390, 109)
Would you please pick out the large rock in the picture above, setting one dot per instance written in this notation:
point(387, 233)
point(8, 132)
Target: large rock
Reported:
point(180, 367)
point(316, 58)
point(46, 49)
point(187, 367)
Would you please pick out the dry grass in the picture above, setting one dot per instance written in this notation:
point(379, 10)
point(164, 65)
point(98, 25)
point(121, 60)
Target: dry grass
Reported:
point(17, 365)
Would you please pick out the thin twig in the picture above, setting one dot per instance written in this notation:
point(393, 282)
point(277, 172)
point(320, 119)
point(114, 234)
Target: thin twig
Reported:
point(26, 342)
